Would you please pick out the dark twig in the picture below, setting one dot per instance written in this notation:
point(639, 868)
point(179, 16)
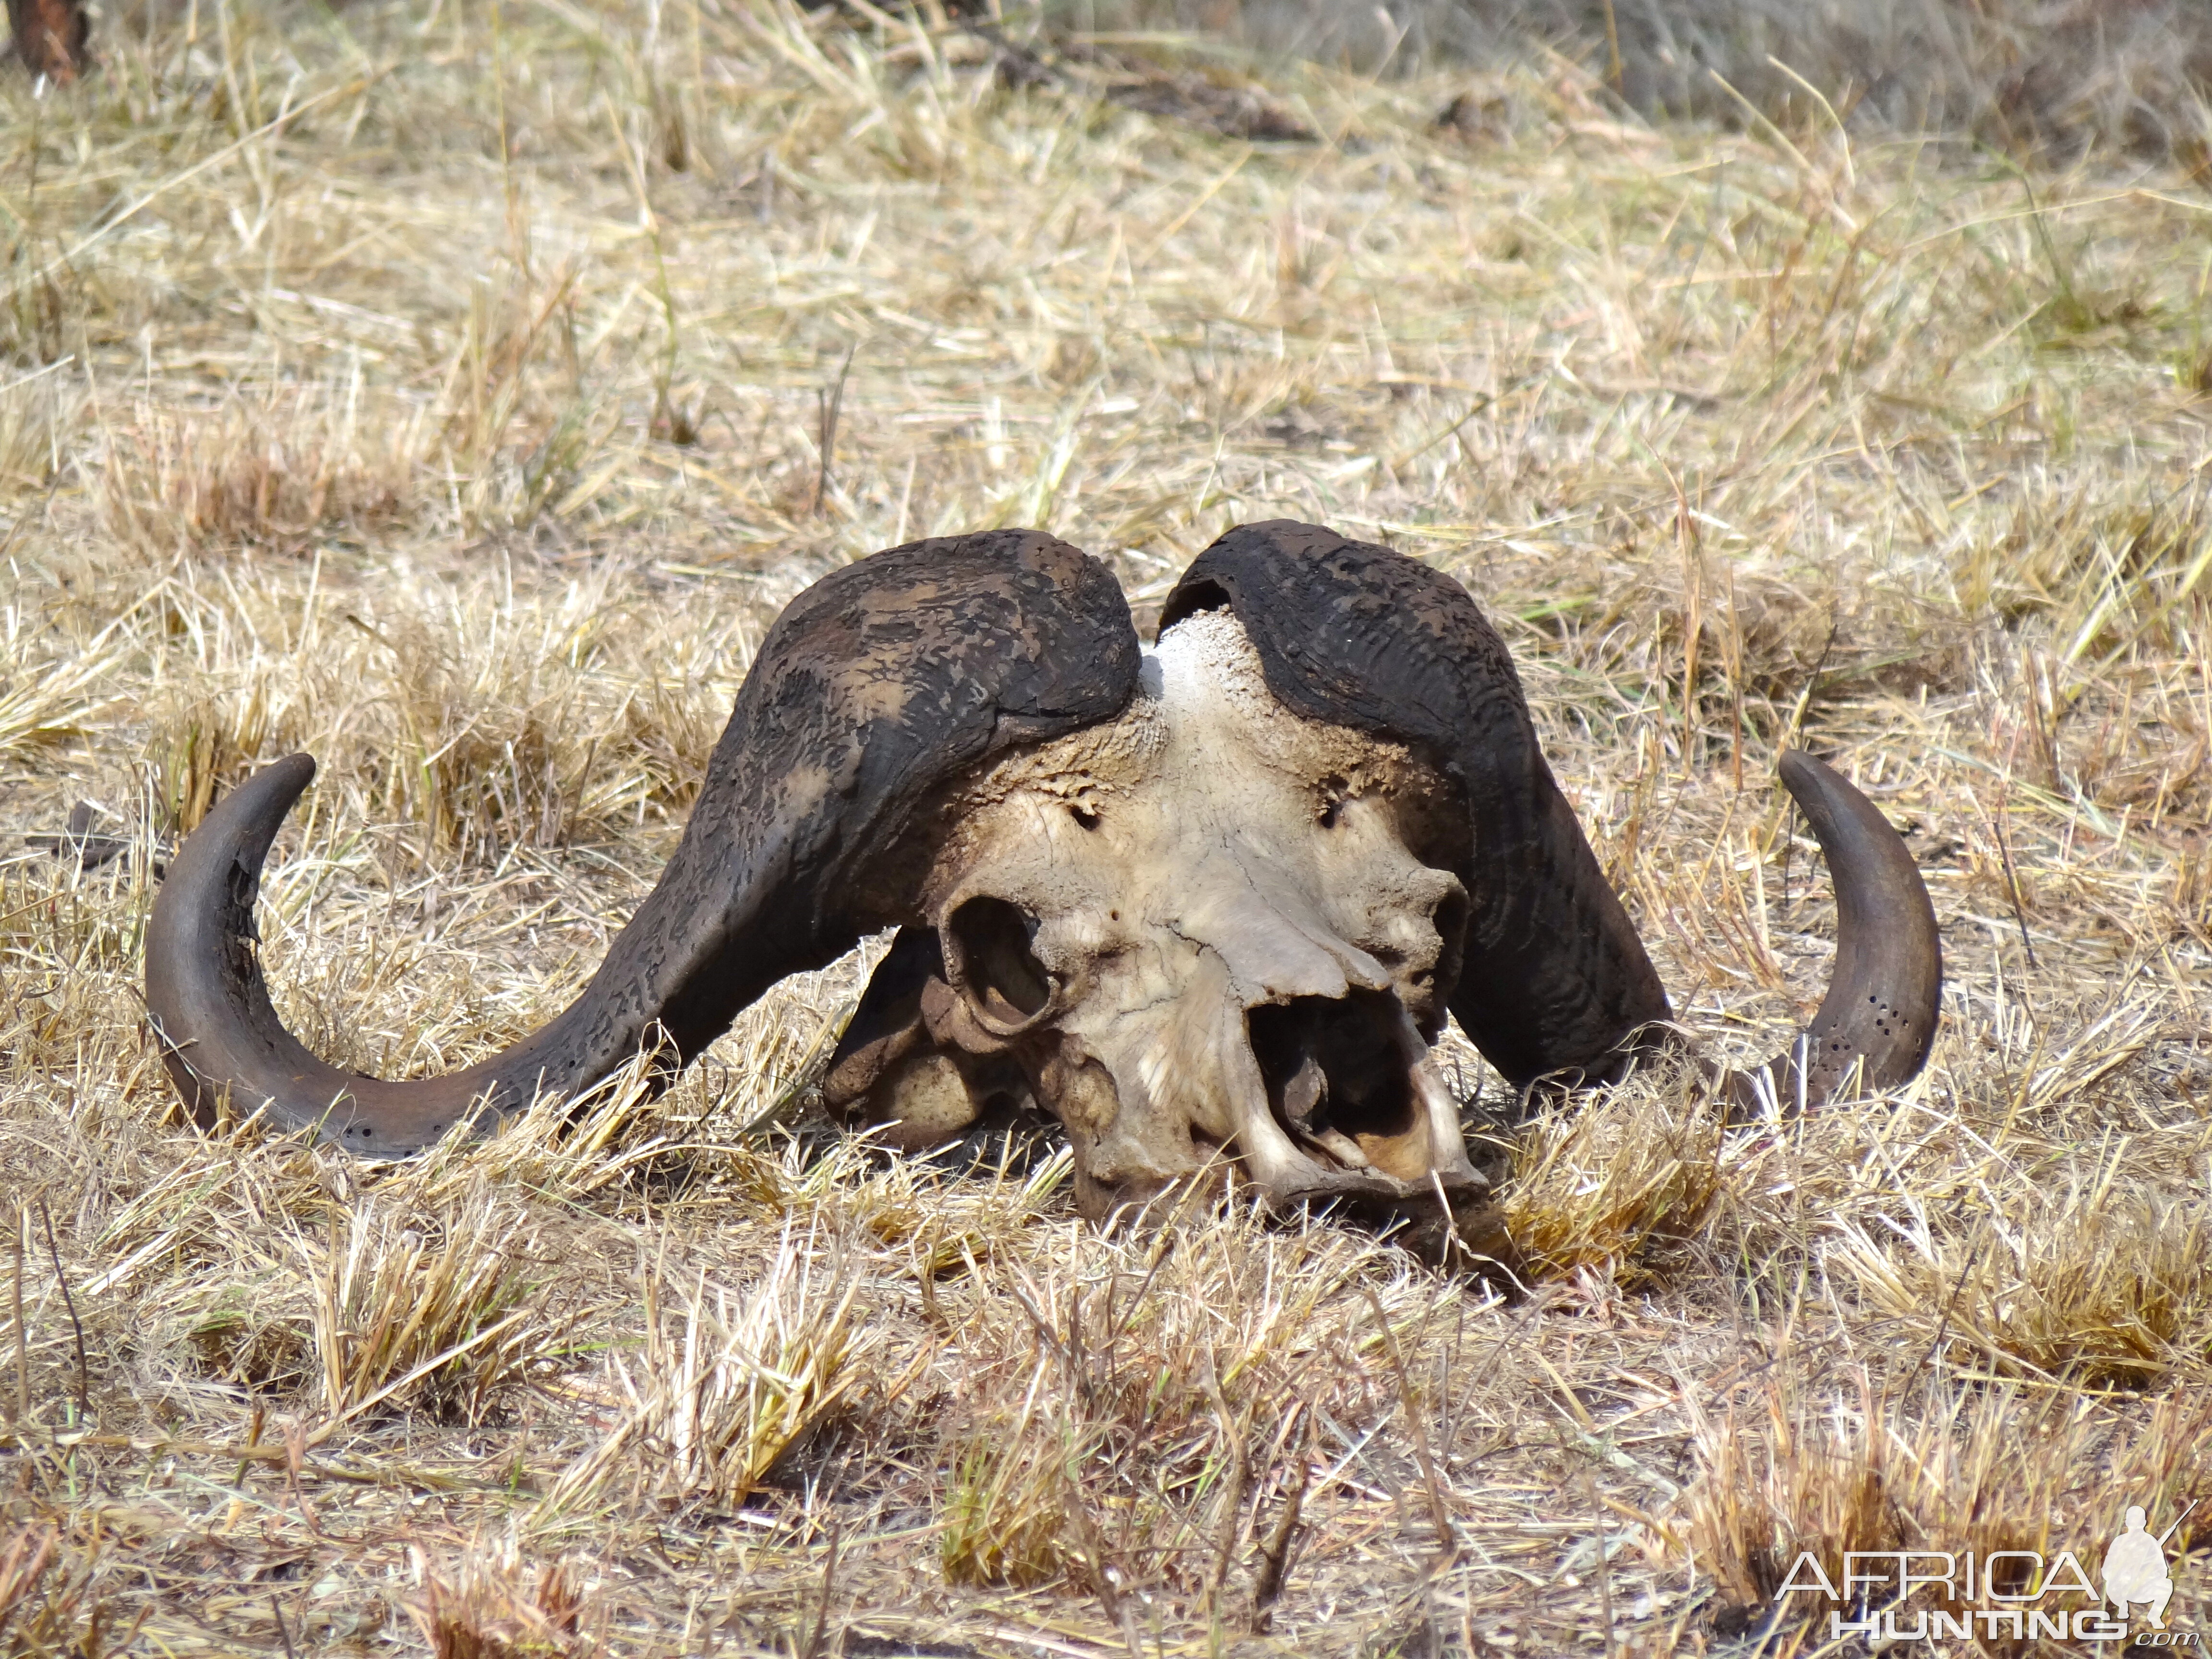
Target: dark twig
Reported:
point(2012, 876)
point(88, 851)
point(1943, 1325)
point(1791, 732)
point(1604, 1563)
point(76, 1324)
point(1447, 1541)
point(1240, 1481)
point(22, 1407)
point(830, 405)
point(1160, 1254)
point(1275, 1553)
point(814, 1648)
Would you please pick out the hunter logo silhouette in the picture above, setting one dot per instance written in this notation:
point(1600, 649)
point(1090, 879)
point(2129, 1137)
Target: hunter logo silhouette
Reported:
point(2135, 1567)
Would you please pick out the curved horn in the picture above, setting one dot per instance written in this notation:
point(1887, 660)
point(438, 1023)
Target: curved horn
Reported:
point(1883, 995)
point(875, 686)
point(1554, 978)
point(1555, 982)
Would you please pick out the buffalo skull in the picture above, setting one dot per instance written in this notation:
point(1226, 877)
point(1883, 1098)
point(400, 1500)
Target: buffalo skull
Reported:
point(1208, 905)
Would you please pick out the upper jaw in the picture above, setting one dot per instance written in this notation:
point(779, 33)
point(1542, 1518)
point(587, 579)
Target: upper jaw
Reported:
point(1422, 1164)
point(1315, 1188)
point(1380, 1197)
point(1421, 1189)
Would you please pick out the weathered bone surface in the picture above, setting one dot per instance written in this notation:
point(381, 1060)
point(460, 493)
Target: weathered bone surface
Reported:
point(1195, 928)
point(1209, 909)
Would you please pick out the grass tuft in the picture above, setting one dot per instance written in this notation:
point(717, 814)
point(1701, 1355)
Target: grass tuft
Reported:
point(729, 1382)
point(1617, 1185)
point(443, 1308)
point(494, 1607)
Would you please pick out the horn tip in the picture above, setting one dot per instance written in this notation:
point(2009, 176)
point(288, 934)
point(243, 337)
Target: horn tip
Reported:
point(1801, 770)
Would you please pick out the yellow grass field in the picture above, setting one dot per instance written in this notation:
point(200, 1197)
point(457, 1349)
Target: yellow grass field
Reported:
point(457, 390)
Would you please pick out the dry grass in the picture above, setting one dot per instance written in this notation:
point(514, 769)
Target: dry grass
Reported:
point(449, 390)
point(2035, 78)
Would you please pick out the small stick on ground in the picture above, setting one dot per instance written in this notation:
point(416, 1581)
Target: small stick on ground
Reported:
point(1604, 1564)
point(2012, 877)
point(832, 403)
point(814, 1642)
point(1240, 1481)
point(1943, 1325)
point(1447, 1541)
point(1275, 1553)
point(76, 1324)
point(21, 1410)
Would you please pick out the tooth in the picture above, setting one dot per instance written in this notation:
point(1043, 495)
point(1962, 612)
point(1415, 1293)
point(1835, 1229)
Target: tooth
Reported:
point(1339, 1147)
point(1304, 1095)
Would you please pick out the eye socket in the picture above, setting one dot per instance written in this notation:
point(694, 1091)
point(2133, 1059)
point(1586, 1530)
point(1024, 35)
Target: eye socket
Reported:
point(1085, 816)
point(1335, 791)
point(988, 949)
point(1450, 919)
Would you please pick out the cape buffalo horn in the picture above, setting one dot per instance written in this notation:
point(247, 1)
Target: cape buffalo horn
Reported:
point(877, 699)
point(876, 684)
point(1555, 986)
point(1882, 1003)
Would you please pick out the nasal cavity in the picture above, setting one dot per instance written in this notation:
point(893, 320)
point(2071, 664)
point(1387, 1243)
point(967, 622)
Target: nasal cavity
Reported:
point(1337, 1078)
point(987, 943)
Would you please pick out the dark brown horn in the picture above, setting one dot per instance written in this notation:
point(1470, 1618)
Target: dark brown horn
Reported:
point(1555, 979)
point(875, 686)
point(1887, 983)
point(1555, 983)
